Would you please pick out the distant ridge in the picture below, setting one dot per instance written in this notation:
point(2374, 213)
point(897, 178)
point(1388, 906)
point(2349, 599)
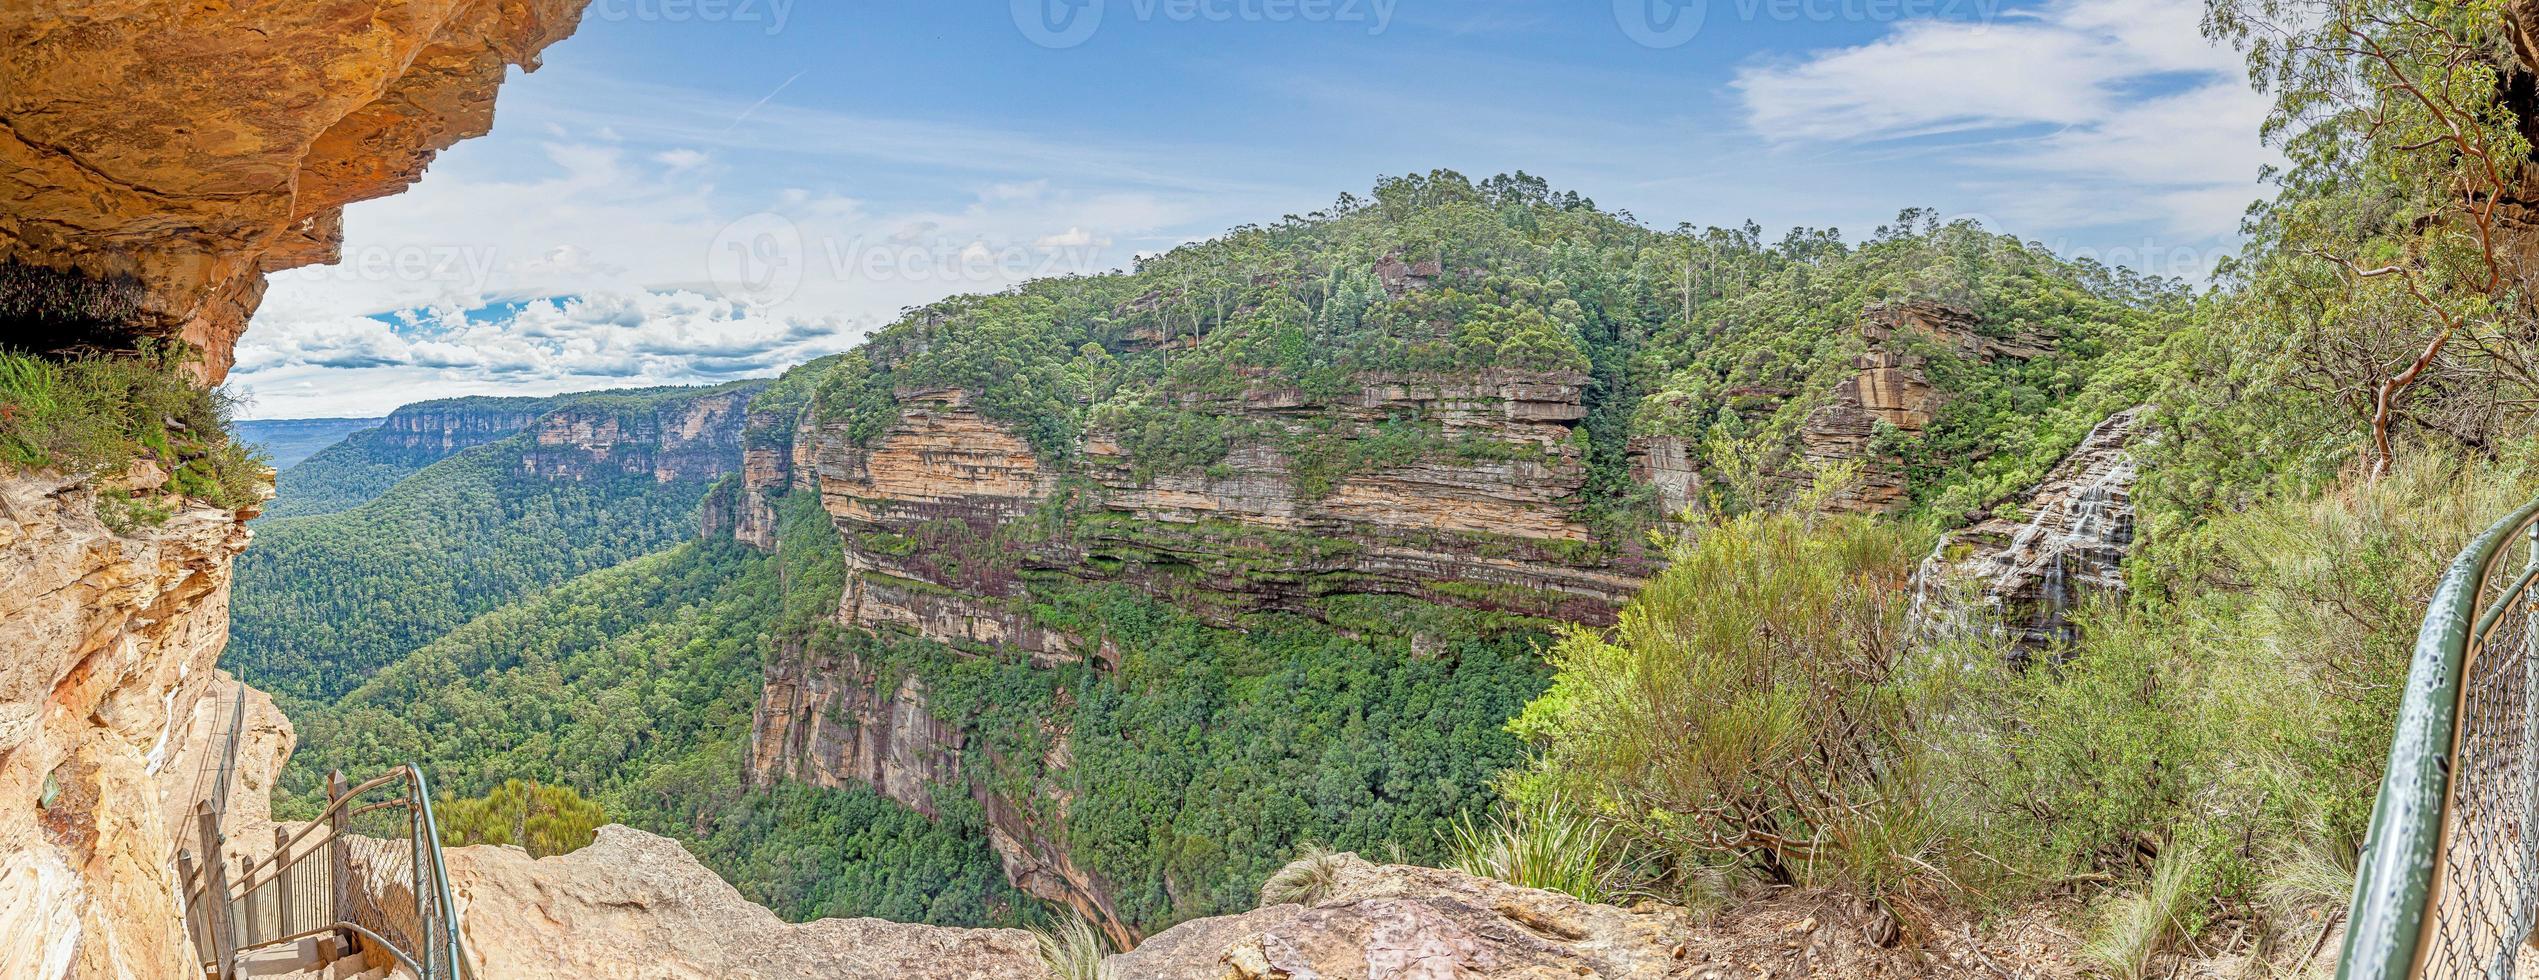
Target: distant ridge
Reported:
point(288, 441)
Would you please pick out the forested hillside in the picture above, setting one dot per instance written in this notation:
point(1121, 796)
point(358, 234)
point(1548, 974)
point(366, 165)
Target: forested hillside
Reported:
point(1148, 580)
point(1178, 571)
point(1113, 593)
point(324, 600)
point(633, 687)
point(365, 463)
point(1938, 595)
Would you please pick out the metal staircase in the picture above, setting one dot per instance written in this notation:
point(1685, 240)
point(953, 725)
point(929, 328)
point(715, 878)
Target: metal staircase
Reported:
point(358, 892)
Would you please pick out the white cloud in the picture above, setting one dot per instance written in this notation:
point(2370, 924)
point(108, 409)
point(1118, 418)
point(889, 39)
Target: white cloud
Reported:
point(2075, 115)
point(615, 257)
point(1072, 238)
point(648, 338)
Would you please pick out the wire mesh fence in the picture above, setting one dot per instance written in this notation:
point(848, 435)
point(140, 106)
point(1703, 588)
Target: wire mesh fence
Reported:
point(2449, 880)
point(368, 870)
point(2484, 890)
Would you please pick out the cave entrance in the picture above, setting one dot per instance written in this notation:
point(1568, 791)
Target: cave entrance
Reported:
point(64, 313)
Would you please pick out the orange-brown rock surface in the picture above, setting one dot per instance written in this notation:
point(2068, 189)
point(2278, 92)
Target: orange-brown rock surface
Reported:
point(1393, 922)
point(106, 648)
point(637, 906)
point(1890, 388)
point(159, 158)
point(689, 438)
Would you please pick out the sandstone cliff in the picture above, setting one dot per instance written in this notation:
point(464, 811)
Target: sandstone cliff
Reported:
point(951, 519)
point(1891, 388)
point(434, 430)
point(160, 158)
point(107, 642)
point(688, 435)
point(665, 434)
point(947, 512)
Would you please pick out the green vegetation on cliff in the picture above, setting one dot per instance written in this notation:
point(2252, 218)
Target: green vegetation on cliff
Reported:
point(1209, 739)
point(1214, 741)
point(368, 462)
point(323, 601)
point(2201, 761)
point(633, 687)
point(541, 819)
point(1208, 756)
point(101, 415)
point(1716, 336)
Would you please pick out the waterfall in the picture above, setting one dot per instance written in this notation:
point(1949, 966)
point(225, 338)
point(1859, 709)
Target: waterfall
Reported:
point(2071, 544)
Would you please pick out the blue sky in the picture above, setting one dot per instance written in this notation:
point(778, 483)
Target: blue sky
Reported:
point(697, 190)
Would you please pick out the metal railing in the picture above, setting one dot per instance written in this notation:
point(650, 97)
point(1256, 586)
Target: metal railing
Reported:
point(367, 871)
point(2449, 876)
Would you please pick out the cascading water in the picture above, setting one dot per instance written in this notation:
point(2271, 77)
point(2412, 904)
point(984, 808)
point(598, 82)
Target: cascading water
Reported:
point(2079, 528)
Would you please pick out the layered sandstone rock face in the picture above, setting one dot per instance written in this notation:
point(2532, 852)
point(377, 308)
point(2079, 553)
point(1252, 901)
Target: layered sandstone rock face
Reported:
point(826, 720)
point(1493, 532)
point(106, 648)
point(160, 158)
point(684, 439)
point(637, 906)
point(945, 512)
point(1892, 389)
point(435, 430)
point(767, 470)
point(831, 720)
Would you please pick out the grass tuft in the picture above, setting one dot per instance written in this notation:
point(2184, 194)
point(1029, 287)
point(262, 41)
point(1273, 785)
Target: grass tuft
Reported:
point(1072, 950)
point(2138, 925)
point(1306, 880)
point(1545, 842)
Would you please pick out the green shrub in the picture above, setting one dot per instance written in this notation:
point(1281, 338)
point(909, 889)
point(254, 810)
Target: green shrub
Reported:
point(544, 820)
point(1749, 706)
point(2230, 723)
point(98, 415)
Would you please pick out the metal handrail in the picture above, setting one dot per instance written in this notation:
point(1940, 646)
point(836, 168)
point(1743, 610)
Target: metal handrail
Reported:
point(447, 897)
point(248, 880)
point(2406, 858)
point(438, 932)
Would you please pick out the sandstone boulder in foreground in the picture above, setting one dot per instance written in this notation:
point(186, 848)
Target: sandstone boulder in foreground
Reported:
point(1406, 923)
point(637, 905)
